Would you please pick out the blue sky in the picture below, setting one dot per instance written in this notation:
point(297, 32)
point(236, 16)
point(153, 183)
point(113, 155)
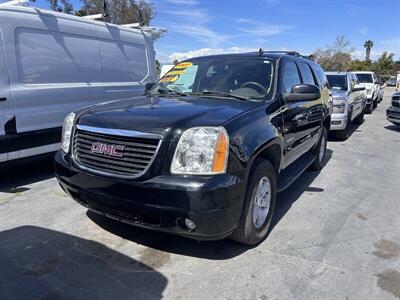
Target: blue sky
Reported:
point(211, 26)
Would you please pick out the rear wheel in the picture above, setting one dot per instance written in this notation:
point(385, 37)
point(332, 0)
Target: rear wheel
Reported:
point(259, 205)
point(320, 151)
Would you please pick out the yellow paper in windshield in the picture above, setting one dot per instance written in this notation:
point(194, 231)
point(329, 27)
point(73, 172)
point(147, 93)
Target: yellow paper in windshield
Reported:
point(183, 65)
point(176, 72)
point(169, 79)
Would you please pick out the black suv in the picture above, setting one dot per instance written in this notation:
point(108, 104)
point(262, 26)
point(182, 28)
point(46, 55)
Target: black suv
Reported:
point(393, 112)
point(203, 153)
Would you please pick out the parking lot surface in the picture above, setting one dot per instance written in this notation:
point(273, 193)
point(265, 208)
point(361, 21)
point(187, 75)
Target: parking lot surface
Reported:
point(336, 235)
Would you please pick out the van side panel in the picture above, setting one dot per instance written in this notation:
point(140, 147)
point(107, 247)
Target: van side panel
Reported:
point(6, 103)
point(126, 59)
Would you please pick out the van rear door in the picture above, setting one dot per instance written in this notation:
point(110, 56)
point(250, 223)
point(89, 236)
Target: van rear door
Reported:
point(6, 105)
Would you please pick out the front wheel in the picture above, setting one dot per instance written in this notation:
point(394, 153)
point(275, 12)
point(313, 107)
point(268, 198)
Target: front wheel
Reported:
point(360, 118)
point(369, 108)
point(259, 205)
point(320, 151)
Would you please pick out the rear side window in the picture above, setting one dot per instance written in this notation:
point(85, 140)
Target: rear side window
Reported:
point(290, 77)
point(46, 57)
point(306, 73)
point(123, 62)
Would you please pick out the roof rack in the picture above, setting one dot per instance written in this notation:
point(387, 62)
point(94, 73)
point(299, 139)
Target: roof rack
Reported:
point(288, 52)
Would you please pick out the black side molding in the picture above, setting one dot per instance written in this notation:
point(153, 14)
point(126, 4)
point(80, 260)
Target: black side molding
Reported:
point(3, 99)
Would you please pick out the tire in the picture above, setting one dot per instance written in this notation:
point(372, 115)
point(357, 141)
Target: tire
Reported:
point(360, 118)
point(345, 133)
point(369, 108)
point(375, 103)
point(250, 232)
point(319, 160)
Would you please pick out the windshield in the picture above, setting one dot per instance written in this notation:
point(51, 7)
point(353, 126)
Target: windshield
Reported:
point(244, 77)
point(364, 78)
point(338, 82)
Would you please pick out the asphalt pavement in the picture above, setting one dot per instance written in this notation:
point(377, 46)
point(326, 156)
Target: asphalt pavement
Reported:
point(336, 235)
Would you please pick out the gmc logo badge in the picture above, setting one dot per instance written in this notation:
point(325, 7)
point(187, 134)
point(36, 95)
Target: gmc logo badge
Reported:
point(106, 149)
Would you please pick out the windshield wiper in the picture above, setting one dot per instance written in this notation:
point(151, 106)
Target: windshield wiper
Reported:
point(222, 94)
point(168, 91)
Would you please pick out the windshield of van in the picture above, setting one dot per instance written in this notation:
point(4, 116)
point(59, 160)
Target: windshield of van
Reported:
point(364, 78)
point(246, 78)
point(338, 82)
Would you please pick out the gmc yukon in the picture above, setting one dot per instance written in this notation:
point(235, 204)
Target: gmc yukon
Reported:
point(203, 153)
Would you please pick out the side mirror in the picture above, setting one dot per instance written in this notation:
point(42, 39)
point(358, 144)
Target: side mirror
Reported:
point(358, 87)
point(303, 92)
point(148, 86)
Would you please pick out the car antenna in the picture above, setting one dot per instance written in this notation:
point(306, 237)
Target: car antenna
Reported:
point(260, 52)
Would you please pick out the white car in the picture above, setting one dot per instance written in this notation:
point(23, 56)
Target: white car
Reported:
point(370, 82)
point(52, 64)
point(348, 102)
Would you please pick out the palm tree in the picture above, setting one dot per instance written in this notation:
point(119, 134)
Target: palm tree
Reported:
point(368, 46)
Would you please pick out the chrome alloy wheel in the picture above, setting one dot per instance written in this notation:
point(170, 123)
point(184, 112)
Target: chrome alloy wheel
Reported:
point(261, 202)
point(322, 148)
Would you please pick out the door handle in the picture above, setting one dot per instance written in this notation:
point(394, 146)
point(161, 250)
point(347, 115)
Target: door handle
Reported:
point(3, 98)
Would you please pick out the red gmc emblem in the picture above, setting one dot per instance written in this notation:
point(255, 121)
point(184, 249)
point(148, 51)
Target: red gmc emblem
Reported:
point(106, 149)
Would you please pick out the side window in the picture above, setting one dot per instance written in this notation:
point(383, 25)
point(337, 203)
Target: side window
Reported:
point(321, 78)
point(306, 74)
point(123, 62)
point(45, 57)
point(290, 76)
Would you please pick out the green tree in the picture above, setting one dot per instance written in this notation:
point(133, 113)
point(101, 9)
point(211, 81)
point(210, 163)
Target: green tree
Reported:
point(368, 46)
point(64, 6)
point(121, 11)
point(360, 65)
point(335, 57)
point(385, 65)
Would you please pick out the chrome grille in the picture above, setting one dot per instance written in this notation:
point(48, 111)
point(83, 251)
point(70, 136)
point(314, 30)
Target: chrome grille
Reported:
point(135, 153)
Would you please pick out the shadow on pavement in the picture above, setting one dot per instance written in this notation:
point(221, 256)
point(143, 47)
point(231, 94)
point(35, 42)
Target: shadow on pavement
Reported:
point(13, 176)
point(393, 128)
point(38, 263)
point(285, 199)
point(215, 250)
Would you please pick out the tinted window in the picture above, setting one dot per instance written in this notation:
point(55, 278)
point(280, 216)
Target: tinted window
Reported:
point(123, 62)
point(364, 78)
point(290, 77)
point(321, 78)
point(54, 57)
point(306, 73)
point(337, 82)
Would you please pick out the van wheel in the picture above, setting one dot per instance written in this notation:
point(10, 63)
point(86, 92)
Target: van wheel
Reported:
point(259, 205)
point(320, 151)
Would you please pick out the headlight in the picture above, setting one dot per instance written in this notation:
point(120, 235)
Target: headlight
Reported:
point(67, 132)
point(201, 151)
point(339, 105)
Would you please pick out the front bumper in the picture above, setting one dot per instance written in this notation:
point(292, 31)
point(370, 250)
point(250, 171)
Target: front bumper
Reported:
point(162, 203)
point(393, 115)
point(338, 121)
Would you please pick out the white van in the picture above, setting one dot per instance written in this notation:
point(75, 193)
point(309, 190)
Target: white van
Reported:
point(52, 63)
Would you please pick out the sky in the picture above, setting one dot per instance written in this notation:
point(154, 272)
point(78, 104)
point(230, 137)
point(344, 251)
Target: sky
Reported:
point(200, 27)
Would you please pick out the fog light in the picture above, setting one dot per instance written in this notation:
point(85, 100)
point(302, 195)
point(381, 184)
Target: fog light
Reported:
point(190, 224)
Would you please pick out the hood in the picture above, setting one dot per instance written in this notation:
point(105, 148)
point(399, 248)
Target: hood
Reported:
point(338, 93)
point(369, 86)
point(163, 115)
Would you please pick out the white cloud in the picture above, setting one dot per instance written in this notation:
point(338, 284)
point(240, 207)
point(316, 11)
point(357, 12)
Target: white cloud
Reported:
point(194, 23)
point(206, 51)
point(363, 30)
point(183, 2)
point(260, 29)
